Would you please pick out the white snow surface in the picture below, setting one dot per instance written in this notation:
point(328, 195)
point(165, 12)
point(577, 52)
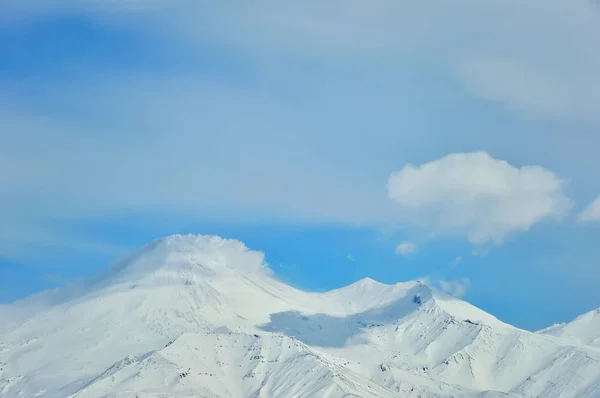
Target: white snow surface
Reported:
point(585, 329)
point(202, 316)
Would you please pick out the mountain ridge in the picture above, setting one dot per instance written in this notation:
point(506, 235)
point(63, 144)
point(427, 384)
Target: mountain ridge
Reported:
point(584, 329)
point(403, 339)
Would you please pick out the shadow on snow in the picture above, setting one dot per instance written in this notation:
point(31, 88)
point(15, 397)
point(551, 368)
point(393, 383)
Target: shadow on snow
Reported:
point(330, 331)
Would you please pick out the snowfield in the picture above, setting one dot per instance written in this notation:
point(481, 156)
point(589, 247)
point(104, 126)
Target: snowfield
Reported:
point(201, 316)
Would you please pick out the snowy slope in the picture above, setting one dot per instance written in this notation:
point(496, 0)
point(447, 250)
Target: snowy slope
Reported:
point(231, 365)
point(202, 316)
point(585, 329)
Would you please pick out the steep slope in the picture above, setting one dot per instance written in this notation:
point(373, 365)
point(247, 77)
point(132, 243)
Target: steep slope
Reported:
point(445, 347)
point(231, 365)
point(585, 329)
point(176, 285)
point(194, 306)
point(442, 339)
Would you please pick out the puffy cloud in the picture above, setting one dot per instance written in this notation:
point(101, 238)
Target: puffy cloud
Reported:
point(406, 248)
point(472, 193)
point(455, 288)
point(592, 212)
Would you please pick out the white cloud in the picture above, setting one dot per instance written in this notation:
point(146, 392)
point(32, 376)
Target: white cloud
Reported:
point(455, 288)
point(456, 261)
point(198, 159)
point(406, 248)
point(543, 66)
point(474, 194)
point(592, 212)
point(534, 92)
point(349, 257)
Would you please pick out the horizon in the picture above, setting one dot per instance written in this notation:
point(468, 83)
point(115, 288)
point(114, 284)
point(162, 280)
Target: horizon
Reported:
point(344, 141)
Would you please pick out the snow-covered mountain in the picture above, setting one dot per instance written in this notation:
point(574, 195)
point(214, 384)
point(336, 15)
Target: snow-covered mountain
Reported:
point(585, 329)
point(201, 316)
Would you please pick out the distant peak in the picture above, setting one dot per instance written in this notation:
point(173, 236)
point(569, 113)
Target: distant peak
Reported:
point(591, 314)
point(585, 317)
point(368, 282)
point(373, 288)
point(372, 283)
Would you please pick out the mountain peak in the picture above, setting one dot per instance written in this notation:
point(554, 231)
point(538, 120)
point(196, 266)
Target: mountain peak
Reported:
point(368, 283)
point(196, 314)
point(190, 253)
point(584, 329)
point(194, 243)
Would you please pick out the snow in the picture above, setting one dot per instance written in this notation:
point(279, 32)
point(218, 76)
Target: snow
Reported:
point(585, 329)
point(193, 315)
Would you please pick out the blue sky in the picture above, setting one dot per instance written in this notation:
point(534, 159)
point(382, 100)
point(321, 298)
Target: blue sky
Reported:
point(324, 134)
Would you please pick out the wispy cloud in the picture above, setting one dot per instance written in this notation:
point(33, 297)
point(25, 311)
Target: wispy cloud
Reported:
point(456, 261)
point(591, 213)
point(457, 288)
point(213, 117)
point(542, 75)
point(406, 248)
